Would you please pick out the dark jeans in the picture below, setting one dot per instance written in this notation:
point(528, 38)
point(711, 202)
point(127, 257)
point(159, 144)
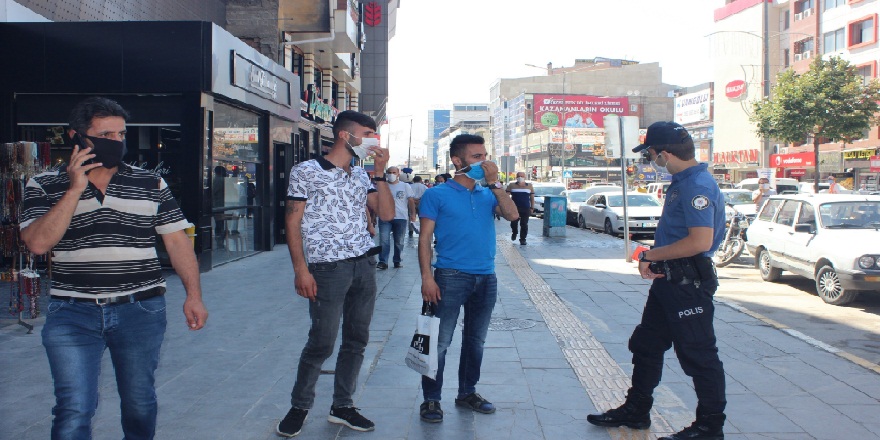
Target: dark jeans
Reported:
point(680, 316)
point(346, 291)
point(522, 224)
point(397, 227)
point(75, 336)
point(477, 293)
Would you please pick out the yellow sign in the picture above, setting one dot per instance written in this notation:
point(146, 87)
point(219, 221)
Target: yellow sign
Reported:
point(858, 155)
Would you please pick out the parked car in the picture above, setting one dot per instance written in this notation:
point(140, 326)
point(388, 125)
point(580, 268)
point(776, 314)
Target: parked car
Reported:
point(577, 197)
point(658, 189)
point(742, 200)
point(782, 185)
point(604, 211)
point(808, 188)
point(545, 189)
point(833, 239)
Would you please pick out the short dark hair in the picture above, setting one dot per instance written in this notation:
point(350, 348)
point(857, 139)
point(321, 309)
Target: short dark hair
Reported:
point(417, 179)
point(95, 107)
point(683, 151)
point(346, 121)
point(459, 142)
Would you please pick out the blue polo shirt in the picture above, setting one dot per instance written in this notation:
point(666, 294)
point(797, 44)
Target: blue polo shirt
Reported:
point(692, 200)
point(465, 226)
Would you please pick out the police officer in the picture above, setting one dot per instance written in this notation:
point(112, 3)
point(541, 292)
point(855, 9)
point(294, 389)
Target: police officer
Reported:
point(679, 310)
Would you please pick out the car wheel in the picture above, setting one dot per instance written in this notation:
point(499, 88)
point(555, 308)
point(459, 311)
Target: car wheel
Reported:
point(768, 272)
point(581, 223)
point(829, 288)
point(608, 228)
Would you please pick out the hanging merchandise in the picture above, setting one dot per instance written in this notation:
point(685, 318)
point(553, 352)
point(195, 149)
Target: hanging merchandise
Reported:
point(19, 161)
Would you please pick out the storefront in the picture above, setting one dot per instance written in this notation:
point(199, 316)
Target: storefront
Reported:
point(865, 166)
point(208, 112)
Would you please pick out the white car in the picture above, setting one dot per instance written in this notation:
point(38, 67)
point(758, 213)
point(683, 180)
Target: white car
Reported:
point(604, 211)
point(545, 189)
point(577, 197)
point(741, 200)
point(833, 239)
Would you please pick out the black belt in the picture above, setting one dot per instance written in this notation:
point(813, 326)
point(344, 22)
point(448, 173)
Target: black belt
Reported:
point(137, 296)
point(369, 253)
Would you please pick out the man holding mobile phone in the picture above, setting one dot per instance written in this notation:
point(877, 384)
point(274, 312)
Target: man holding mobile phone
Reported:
point(100, 221)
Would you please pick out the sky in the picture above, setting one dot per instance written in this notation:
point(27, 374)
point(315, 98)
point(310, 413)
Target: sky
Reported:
point(451, 51)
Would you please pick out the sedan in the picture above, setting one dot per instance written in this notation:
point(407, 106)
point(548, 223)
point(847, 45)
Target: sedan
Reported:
point(545, 189)
point(832, 239)
point(741, 199)
point(574, 198)
point(605, 211)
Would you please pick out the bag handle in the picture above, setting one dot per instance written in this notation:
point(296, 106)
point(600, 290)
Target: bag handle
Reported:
point(428, 308)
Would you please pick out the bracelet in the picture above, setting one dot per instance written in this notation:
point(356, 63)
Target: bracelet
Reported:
point(379, 179)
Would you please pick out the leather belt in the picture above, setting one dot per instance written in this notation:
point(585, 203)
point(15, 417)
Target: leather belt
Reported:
point(373, 251)
point(137, 296)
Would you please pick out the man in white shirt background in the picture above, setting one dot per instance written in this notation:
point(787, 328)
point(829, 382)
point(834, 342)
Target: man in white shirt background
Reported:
point(404, 212)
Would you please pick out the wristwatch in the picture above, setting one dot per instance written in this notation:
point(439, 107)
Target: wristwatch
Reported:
point(379, 179)
point(496, 185)
point(643, 256)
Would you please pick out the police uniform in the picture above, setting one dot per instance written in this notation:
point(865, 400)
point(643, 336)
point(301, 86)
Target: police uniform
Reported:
point(679, 310)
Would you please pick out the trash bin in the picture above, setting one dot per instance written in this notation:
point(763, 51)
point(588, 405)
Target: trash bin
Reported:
point(555, 213)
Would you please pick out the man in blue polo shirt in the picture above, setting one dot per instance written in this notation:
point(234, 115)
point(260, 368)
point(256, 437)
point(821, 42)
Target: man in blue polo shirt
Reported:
point(679, 310)
point(461, 215)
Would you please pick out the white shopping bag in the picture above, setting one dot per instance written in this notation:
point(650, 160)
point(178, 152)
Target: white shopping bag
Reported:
point(422, 354)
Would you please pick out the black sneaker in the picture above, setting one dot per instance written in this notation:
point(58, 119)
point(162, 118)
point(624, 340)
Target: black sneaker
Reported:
point(350, 417)
point(381, 266)
point(398, 265)
point(522, 241)
point(513, 236)
point(292, 423)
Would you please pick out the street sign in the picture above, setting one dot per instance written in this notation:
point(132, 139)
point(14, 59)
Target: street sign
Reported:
point(566, 174)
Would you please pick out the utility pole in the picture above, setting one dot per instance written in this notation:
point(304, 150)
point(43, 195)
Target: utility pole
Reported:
point(409, 146)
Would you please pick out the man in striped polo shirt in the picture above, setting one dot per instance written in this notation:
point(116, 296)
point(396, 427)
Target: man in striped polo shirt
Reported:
point(99, 217)
point(523, 195)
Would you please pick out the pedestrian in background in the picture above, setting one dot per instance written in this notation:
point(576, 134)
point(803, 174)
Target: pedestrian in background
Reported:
point(833, 186)
point(418, 189)
point(523, 195)
point(679, 311)
point(326, 209)
point(107, 288)
point(763, 191)
point(460, 213)
point(404, 213)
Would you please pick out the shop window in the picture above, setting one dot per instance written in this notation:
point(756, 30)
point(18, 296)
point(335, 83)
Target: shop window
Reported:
point(834, 41)
point(862, 32)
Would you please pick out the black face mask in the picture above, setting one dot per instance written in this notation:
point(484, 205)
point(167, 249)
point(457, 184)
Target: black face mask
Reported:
point(107, 151)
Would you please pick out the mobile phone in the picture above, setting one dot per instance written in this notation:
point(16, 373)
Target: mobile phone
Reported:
point(78, 140)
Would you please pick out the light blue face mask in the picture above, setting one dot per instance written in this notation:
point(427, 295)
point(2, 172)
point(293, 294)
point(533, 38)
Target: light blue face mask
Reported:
point(476, 172)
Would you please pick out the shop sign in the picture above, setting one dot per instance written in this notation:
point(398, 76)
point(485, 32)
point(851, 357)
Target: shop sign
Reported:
point(830, 162)
point(795, 160)
point(318, 109)
point(254, 79)
point(875, 164)
point(858, 154)
point(737, 156)
point(735, 89)
point(576, 111)
point(582, 136)
point(692, 107)
point(797, 173)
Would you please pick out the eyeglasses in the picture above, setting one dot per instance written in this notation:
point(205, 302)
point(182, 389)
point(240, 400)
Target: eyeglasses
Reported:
point(646, 157)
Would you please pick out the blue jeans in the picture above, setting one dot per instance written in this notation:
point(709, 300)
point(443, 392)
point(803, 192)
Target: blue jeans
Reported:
point(346, 291)
point(396, 227)
point(477, 293)
point(75, 336)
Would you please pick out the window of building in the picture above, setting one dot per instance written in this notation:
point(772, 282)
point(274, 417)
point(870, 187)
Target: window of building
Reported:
point(297, 62)
point(786, 57)
point(786, 19)
point(802, 46)
point(862, 32)
point(835, 40)
point(802, 6)
point(831, 4)
point(866, 71)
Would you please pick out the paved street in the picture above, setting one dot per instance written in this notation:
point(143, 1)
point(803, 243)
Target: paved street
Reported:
point(556, 352)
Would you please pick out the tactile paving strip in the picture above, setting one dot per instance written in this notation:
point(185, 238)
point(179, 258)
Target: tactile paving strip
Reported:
point(602, 378)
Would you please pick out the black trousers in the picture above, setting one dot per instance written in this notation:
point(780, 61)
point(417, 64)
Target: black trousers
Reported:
point(680, 316)
point(521, 226)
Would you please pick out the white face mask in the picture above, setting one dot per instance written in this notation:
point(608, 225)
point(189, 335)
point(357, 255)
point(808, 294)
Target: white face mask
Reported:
point(765, 186)
point(520, 179)
point(362, 150)
point(391, 178)
point(657, 167)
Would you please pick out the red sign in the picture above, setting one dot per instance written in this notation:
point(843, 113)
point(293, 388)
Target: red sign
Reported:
point(735, 89)
point(737, 156)
point(797, 173)
point(576, 111)
point(372, 14)
point(796, 160)
point(875, 164)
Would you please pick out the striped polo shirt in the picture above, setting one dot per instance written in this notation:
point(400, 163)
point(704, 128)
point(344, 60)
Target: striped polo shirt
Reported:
point(109, 249)
point(521, 195)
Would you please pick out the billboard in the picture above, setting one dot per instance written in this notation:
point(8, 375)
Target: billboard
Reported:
point(693, 107)
point(576, 111)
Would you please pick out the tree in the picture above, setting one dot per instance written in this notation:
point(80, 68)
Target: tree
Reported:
point(829, 101)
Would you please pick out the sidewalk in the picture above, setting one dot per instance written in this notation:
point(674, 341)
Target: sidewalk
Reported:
point(556, 351)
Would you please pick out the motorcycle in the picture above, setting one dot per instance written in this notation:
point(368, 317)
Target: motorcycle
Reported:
point(734, 241)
